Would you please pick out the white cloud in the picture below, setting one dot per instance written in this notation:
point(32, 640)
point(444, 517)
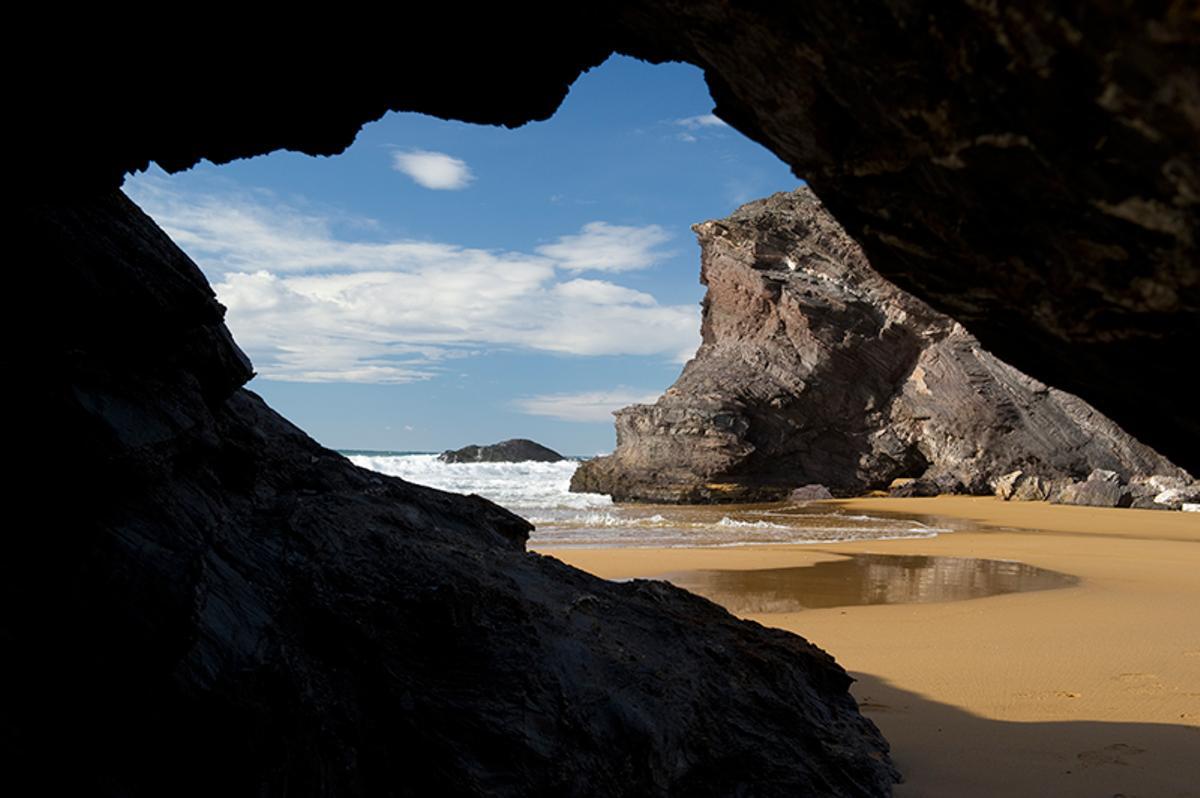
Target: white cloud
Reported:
point(435, 170)
point(701, 121)
point(695, 126)
point(585, 406)
point(310, 305)
point(605, 247)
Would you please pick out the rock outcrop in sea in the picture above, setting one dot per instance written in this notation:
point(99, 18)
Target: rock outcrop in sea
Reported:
point(814, 369)
point(516, 450)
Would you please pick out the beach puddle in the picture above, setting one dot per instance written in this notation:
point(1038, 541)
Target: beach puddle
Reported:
point(860, 579)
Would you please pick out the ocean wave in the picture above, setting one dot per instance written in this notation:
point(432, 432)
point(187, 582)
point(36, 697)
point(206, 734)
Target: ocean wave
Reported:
point(540, 492)
point(733, 522)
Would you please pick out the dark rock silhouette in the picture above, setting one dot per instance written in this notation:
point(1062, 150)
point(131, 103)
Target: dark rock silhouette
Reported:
point(517, 450)
point(814, 369)
point(220, 606)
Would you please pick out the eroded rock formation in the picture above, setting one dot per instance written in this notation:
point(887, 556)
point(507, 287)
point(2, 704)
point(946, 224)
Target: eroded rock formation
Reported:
point(517, 450)
point(815, 369)
point(216, 605)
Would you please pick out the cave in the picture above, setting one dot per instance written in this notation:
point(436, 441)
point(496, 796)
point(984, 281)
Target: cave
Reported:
point(220, 589)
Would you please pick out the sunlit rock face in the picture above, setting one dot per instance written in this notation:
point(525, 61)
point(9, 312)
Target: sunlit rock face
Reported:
point(815, 369)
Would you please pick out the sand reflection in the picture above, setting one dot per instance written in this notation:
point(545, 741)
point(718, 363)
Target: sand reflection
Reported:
point(867, 579)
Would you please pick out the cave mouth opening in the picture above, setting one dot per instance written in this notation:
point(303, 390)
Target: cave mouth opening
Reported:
point(441, 283)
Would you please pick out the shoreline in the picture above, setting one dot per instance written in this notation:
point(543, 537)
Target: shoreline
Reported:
point(1086, 690)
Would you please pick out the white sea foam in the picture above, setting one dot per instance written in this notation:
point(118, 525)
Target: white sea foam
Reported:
point(733, 522)
point(539, 492)
point(521, 487)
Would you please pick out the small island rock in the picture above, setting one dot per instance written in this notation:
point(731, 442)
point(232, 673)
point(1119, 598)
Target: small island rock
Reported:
point(517, 450)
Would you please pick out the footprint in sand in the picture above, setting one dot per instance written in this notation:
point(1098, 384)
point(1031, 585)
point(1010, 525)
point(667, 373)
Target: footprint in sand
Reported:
point(1141, 683)
point(1115, 754)
point(1068, 694)
point(869, 705)
point(1136, 677)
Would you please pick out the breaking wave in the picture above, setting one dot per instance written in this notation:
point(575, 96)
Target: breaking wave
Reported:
point(539, 492)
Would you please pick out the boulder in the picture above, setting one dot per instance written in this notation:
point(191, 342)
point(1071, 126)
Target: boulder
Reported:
point(909, 487)
point(1032, 488)
point(1006, 485)
point(810, 493)
point(1102, 488)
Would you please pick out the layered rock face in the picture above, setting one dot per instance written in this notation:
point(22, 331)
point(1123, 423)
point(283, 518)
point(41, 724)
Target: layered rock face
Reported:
point(815, 369)
point(517, 450)
point(213, 604)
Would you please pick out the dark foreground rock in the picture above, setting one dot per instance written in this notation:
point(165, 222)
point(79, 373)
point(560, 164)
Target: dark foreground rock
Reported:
point(815, 369)
point(517, 450)
point(219, 606)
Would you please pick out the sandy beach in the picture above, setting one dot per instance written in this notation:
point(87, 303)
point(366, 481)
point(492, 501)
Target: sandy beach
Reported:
point(1087, 690)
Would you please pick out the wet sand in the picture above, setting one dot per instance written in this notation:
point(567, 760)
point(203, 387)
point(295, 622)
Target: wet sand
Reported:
point(1090, 689)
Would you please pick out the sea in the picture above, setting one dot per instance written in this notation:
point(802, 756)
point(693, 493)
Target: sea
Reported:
point(539, 492)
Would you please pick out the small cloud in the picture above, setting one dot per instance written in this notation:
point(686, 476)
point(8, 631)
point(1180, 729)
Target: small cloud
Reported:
point(701, 121)
point(408, 428)
point(587, 406)
point(687, 137)
point(435, 170)
point(608, 248)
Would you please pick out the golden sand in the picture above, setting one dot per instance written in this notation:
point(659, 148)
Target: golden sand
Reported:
point(1091, 690)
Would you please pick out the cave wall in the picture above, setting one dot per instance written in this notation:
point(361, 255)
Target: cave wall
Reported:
point(1031, 170)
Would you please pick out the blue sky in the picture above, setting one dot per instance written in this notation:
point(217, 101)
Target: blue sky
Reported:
point(440, 284)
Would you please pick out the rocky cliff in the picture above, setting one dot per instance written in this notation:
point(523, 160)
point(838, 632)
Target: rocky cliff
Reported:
point(206, 602)
point(815, 369)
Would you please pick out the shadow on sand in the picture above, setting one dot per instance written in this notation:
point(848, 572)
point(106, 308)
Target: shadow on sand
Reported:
point(946, 751)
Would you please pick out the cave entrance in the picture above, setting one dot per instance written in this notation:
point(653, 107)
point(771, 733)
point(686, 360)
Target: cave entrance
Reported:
point(441, 284)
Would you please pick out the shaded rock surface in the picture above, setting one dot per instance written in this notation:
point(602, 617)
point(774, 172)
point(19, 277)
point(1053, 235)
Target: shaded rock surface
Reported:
point(516, 450)
point(1030, 169)
point(815, 369)
point(220, 606)
point(1102, 488)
